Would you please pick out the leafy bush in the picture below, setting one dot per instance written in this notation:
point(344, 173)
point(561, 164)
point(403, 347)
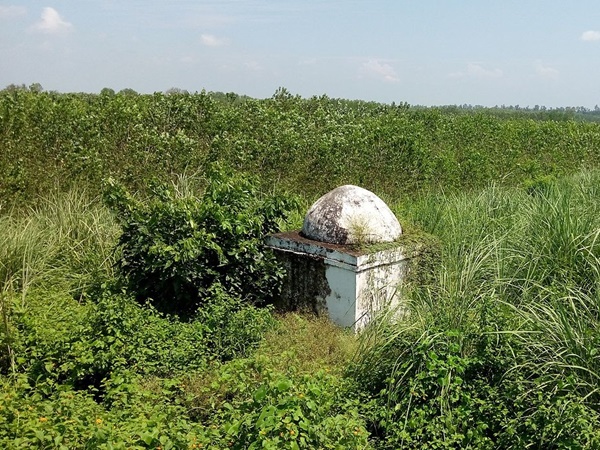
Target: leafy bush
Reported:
point(117, 333)
point(52, 140)
point(539, 185)
point(306, 414)
point(449, 390)
point(254, 406)
point(132, 416)
point(232, 327)
point(176, 246)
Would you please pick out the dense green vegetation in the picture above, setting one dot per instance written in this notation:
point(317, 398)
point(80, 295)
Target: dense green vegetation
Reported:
point(133, 284)
point(56, 141)
point(501, 350)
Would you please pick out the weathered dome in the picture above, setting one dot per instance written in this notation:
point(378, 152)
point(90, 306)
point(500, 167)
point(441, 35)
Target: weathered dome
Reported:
point(350, 215)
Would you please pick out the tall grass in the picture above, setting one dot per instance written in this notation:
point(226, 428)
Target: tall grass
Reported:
point(85, 234)
point(65, 243)
point(562, 343)
point(25, 253)
point(516, 296)
point(26, 248)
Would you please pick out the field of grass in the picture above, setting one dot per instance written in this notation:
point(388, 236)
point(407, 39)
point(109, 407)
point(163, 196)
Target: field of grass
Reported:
point(133, 284)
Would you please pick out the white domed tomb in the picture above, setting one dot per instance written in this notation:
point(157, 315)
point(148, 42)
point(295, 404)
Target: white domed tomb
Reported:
point(351, 215)
point(346, 261)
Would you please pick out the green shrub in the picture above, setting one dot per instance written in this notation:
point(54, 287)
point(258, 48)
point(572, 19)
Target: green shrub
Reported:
point(539, 185)
point(117, 333)
point(132, 416)
point(434, 395)
point(177, 246)
point(254, 406)
point(283, 413)
point(232, 327)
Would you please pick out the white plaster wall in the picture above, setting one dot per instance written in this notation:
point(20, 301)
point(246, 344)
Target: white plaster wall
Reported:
point(341, 301)
point(356, 296)
point(377, 289)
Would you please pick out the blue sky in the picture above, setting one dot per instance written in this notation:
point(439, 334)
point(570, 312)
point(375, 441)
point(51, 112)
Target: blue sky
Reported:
point(486, 52)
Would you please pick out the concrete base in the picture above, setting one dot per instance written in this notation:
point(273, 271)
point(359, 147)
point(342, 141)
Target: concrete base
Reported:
point(348, 285)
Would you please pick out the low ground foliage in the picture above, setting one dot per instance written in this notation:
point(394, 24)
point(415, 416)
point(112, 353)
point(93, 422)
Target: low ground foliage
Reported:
point(497, 350)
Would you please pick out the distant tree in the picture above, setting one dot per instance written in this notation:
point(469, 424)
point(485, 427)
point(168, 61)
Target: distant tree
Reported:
point(232, 97)
point(175, 90)
point(15, 87)
point(107, 92)
point(128, 92)
point(35, 87)
point(282, 94)
point(401, 105)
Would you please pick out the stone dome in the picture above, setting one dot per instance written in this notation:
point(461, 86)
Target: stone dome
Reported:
point(350, 215)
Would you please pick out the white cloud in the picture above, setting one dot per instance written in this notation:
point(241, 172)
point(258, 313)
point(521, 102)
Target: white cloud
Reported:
point(52, 23)
point(546, 72)
point(590, 35)
point(380, 70)
point(475, 70)
point(211, 40)
point(10, 12)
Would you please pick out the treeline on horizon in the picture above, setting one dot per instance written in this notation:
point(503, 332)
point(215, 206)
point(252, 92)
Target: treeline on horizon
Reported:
point(568, 112)
point(53, 141)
